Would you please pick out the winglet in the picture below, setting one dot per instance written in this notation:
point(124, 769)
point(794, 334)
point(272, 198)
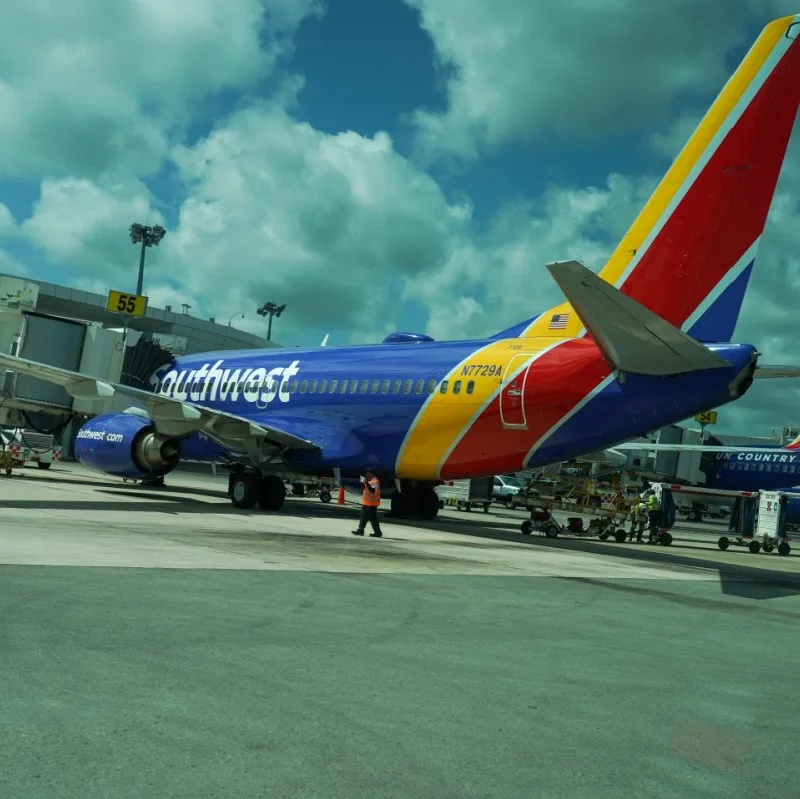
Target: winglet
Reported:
point(631, 337)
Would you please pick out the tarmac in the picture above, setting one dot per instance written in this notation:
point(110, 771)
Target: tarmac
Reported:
point(161, 643)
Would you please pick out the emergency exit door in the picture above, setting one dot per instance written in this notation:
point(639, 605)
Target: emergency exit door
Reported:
point(512, 393)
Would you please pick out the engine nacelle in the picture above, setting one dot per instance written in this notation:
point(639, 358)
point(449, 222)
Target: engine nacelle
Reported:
point(126, 446)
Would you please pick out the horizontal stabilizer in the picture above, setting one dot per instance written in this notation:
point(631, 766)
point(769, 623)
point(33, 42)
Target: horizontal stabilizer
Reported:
point(777, 371)
point(631, 337)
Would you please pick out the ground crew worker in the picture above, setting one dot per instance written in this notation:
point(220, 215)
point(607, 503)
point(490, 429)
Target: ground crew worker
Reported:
point(653, 512)
point(638, 520)
point(370, 502)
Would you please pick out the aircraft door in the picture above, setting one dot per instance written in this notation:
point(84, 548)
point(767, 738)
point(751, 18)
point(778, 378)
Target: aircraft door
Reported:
point(512, 393)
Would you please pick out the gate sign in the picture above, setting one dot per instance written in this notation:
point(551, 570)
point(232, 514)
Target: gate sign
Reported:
point(124, 303)
point(769, 512)
point(707, 417)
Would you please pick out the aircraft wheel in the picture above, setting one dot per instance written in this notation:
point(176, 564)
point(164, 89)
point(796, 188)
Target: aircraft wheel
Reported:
point(526, 527)
point(551, 531)
point(441, 504)
point(768, 547)
point(666, 539)
point(620, 536)
point(603, 536)
point(724, 543)
point(271, 493)
point(43, 465)
point(325, 496)
point(244, 491)
point(485, 507)
point(754, 547)
point(428, 505)
point(784, 548)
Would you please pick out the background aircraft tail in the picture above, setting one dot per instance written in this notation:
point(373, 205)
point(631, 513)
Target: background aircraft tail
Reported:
point(689, 254)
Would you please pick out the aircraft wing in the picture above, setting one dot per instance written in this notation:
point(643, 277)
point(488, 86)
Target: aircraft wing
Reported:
point(170, 416)
point(695, 448)
point(777, 371)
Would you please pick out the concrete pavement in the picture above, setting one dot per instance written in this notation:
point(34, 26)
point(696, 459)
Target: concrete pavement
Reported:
point(163, 644)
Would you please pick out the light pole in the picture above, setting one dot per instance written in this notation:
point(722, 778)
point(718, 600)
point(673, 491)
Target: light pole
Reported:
point(149, 236)
point(239, 314)
point(270, 309)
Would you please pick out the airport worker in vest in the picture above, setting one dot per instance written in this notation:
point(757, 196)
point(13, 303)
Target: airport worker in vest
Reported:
point(370, 502)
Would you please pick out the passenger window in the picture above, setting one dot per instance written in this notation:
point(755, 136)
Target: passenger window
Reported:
point(420, 386)
point(470, 386)
point(385, 387)
point(334, 386)
point(760, 467)
point(396, 387)
point(295, 386)
point(323, 384)
point(224, 388)
point(364, 386)
point(457, 387)
point(443, 387)
point(407, 386)
point(312, 389)
point(431, 386)
point(304, 387)
point(375, 386)
point(353, 386)
point(343, 388)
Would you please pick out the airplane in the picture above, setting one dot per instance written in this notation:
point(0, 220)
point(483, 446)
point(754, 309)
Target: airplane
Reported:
point(641, 345)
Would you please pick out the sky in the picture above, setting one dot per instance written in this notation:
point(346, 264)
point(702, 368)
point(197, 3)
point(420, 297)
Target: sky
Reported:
point(376, 166)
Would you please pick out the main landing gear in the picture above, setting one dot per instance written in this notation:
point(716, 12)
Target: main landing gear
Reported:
point(248, 489)
point(415, 500)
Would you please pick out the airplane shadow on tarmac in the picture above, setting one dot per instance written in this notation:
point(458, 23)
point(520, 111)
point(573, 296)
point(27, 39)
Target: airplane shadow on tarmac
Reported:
point(745, 581)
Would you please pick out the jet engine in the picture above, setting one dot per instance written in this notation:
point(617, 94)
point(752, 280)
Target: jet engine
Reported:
point(126, 446)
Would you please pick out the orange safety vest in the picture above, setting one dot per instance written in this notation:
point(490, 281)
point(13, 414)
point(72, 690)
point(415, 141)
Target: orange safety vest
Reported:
point(369, 499)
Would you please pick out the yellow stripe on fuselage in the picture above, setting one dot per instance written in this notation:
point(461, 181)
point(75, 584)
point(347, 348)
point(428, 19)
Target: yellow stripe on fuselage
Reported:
point(443, 418)
point(675, 178)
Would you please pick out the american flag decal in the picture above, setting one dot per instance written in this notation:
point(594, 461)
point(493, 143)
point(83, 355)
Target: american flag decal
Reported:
point(558, 321)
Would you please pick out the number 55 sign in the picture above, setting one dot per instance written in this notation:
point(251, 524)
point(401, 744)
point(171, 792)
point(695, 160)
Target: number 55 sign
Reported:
point(707, 417)
point(128, 304)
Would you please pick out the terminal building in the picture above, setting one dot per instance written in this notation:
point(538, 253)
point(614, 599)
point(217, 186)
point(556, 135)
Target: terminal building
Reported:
point(72, 329)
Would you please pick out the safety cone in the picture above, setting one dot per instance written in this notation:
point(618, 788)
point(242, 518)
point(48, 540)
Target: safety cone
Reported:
point(340, 501)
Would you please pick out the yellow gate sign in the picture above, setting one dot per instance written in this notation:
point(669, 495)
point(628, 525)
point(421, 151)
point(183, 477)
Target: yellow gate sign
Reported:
point(128, 304)
point(707, 417)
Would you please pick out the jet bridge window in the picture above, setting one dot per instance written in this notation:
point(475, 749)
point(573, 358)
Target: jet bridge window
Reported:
point(457, 387)
point(443, 387)
point(385, 387)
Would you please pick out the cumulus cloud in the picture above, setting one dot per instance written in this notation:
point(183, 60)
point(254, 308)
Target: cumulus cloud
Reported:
point(516, 69)
point(97, 87)
point(329, 224)
point(83, 226)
